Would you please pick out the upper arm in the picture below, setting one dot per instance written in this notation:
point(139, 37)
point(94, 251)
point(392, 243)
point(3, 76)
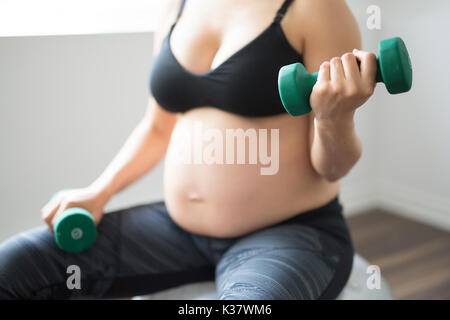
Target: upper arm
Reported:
point(329, 30)
point(166, 17)
point(161, 120)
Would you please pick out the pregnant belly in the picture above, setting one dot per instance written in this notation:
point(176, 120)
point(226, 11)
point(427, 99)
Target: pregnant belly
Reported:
point(227, 175)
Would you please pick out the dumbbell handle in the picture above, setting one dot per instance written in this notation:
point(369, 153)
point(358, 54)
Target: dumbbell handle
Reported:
point(378, 78)
point(312, 79)
point(394, 69)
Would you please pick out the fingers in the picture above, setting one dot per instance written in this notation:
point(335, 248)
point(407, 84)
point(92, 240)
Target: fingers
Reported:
point(63, 206)
point(49, 211)
point(97, 218)
point(342, 83)
point(368, 66)
point(324, 72)
point(336, 71)
point(351, 69)
point(51, 203)
point(349, 78)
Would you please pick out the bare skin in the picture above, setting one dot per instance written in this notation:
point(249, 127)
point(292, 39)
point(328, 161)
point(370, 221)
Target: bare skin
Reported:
point(315, 150)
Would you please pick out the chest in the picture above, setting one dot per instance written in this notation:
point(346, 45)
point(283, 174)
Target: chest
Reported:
point(230, 62)
point(206, 36)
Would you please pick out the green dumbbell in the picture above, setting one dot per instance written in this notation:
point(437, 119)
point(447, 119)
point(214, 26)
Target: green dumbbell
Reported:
point(74, 229)
point(394, 69)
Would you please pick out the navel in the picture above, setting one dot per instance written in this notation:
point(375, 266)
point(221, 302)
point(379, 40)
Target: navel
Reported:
point(194, 196)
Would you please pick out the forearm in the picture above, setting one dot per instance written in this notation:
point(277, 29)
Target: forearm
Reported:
point(335, 148)
point(143, 149)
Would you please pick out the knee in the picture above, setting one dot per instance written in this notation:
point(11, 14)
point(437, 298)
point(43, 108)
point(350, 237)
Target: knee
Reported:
point(245, 291)
point(288, 274)
point(254, 285)
point(23, 257)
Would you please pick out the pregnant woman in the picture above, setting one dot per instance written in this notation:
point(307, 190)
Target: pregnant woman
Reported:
point(259, 236)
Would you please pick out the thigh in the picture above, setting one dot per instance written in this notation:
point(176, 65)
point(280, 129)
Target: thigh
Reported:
point(138, 250)
point(285, 262)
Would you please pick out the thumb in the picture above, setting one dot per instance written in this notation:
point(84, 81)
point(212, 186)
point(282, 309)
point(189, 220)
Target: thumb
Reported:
point(98, 215)
point(60, 210)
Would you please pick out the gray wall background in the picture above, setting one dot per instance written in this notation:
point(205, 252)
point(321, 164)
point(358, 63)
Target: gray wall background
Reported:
point(67, 104)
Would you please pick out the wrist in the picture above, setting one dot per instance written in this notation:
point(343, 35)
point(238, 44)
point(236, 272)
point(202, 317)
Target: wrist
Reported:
point(336, 125)
point(103, 192)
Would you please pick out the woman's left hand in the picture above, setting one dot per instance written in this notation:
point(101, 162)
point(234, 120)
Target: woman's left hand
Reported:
point(342, 86)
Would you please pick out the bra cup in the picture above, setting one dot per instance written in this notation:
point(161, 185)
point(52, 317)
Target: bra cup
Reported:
point(244, 84)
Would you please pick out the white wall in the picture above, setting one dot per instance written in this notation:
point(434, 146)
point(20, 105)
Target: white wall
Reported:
point(55, 92)
point(56, 17)
point(412, 171)
point(415, 134)
point(358, 192)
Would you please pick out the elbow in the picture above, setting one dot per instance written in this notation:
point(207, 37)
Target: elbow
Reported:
point(332, 176)
point(329, 172)
point(333, 167)
point(335, 171)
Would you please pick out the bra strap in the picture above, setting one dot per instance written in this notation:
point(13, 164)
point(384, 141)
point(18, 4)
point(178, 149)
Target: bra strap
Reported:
point(180, 10)
point(282, 10)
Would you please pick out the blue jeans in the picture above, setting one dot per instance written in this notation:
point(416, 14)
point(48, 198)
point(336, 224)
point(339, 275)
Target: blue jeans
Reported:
point(140, 250)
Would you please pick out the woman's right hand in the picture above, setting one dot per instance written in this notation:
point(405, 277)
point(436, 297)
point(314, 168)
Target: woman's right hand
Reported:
point(91, 199)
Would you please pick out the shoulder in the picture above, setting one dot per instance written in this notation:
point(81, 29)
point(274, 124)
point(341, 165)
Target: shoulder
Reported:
point(321, 16)
point(168, 10)
point(328, 29)
point(167, 13)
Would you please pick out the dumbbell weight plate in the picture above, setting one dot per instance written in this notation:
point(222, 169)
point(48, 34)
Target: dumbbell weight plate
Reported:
point(75, 230)
point(395, 65)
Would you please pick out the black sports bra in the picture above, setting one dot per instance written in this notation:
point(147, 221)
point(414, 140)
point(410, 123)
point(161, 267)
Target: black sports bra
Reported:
point(244, 84)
